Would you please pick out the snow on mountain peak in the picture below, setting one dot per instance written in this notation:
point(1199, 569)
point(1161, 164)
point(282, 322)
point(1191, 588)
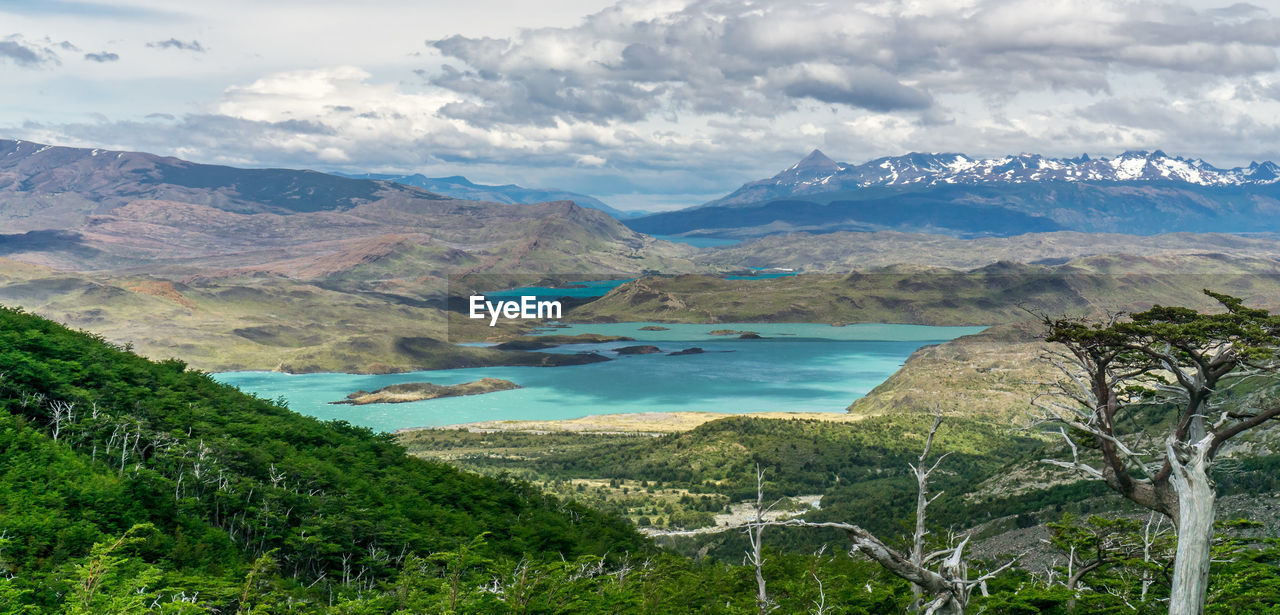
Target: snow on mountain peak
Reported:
point(818, 173)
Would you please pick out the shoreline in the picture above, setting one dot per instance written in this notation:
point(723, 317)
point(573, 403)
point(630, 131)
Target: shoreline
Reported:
point(627, 423)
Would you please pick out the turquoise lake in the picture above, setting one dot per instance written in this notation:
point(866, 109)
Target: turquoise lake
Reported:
point(796, 367)
point(599, 288)
point(593, 288)
point(699, 242)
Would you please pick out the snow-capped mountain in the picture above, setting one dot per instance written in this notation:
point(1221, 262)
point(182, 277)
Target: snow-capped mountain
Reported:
point(1135, 192)
point(817, 173)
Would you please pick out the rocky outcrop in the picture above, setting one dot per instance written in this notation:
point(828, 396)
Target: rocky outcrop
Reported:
point(694, 350)
point(638, 350)
point(418, 391)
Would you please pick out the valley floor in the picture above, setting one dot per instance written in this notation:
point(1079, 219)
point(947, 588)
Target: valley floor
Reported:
point(632, 423)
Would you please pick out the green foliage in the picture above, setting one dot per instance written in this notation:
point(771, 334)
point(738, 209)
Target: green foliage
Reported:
point(97, 444)
point(1246, 572)
point(110, 582)
point(129, 486)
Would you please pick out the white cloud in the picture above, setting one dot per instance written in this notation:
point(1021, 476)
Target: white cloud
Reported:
point(658, 98)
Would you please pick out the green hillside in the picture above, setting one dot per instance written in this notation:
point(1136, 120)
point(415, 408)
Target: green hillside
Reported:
point(999, 293)
point(184, 483)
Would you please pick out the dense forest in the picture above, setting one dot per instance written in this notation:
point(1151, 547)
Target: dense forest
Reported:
point(132, 486)
point(101, 447)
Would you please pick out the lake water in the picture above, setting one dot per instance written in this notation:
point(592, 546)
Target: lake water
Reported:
point(699, 242)
point(592, 288)
point(600, 288)
point(797, 367)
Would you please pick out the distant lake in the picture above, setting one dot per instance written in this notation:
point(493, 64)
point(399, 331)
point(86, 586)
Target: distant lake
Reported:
point(600, 288)
point(797, 367)
point(593, 288)
point(699, 242)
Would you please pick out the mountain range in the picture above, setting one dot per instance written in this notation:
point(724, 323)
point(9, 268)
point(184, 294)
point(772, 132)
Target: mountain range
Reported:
point(244, 265)
point(1137, 192)
point(459, 187)
point(93, 209)
point(818, 174)
point(238, 268)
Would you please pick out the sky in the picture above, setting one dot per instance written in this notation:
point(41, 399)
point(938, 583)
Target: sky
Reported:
point(654, 104)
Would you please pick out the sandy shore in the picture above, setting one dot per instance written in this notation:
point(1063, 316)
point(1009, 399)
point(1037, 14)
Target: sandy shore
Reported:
point(632, 423)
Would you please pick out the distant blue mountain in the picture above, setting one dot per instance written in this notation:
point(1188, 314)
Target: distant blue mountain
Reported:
point(1137, 192)
point(460, 187)
point(817, 174)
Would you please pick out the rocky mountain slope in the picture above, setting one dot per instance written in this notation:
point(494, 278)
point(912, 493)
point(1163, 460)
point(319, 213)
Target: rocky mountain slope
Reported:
point(459, 187)
point(846, 251)
point(270, 252)
point(911, 294)
point(93, 210)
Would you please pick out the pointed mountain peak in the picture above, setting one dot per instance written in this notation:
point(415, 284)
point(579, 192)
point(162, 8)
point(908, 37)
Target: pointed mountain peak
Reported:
point(817, 160)
point(1265, 171)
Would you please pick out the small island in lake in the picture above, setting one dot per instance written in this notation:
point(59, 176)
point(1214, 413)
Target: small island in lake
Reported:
point(654, 328)
point(637, 350)
point(693, 350)
point(731, 332)
point(538, 342)
point(418, 391)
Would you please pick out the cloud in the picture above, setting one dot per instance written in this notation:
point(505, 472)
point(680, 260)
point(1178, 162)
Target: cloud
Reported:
point(590, 160)
point(868, 88)
point(764, 58)
point(102, 57)
point(695, 97)
point(1238, 10)
point(174, 43)
point(30, 54)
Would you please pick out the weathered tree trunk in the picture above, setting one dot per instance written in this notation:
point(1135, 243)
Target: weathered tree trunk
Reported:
point(956, 572)
point(950, 607)
point(922, 505)
point(1073, 581)
point(1190, 479)
point(755, 535)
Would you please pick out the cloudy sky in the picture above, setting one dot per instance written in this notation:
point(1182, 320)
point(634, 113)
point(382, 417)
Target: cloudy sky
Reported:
point(652, 104)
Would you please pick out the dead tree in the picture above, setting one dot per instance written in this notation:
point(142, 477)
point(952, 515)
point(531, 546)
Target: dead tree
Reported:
point(61, 413)
point(922, 503)
point(755, 536)
point(946, 589)
point(820, 604)
point(1162, 358)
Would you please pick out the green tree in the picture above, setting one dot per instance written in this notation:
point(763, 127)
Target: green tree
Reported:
point(110, 581)
point(1164, 358)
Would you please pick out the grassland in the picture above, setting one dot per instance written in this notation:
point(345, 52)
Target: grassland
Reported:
point(911, 294)
point(842, 252)
point(256, 321)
